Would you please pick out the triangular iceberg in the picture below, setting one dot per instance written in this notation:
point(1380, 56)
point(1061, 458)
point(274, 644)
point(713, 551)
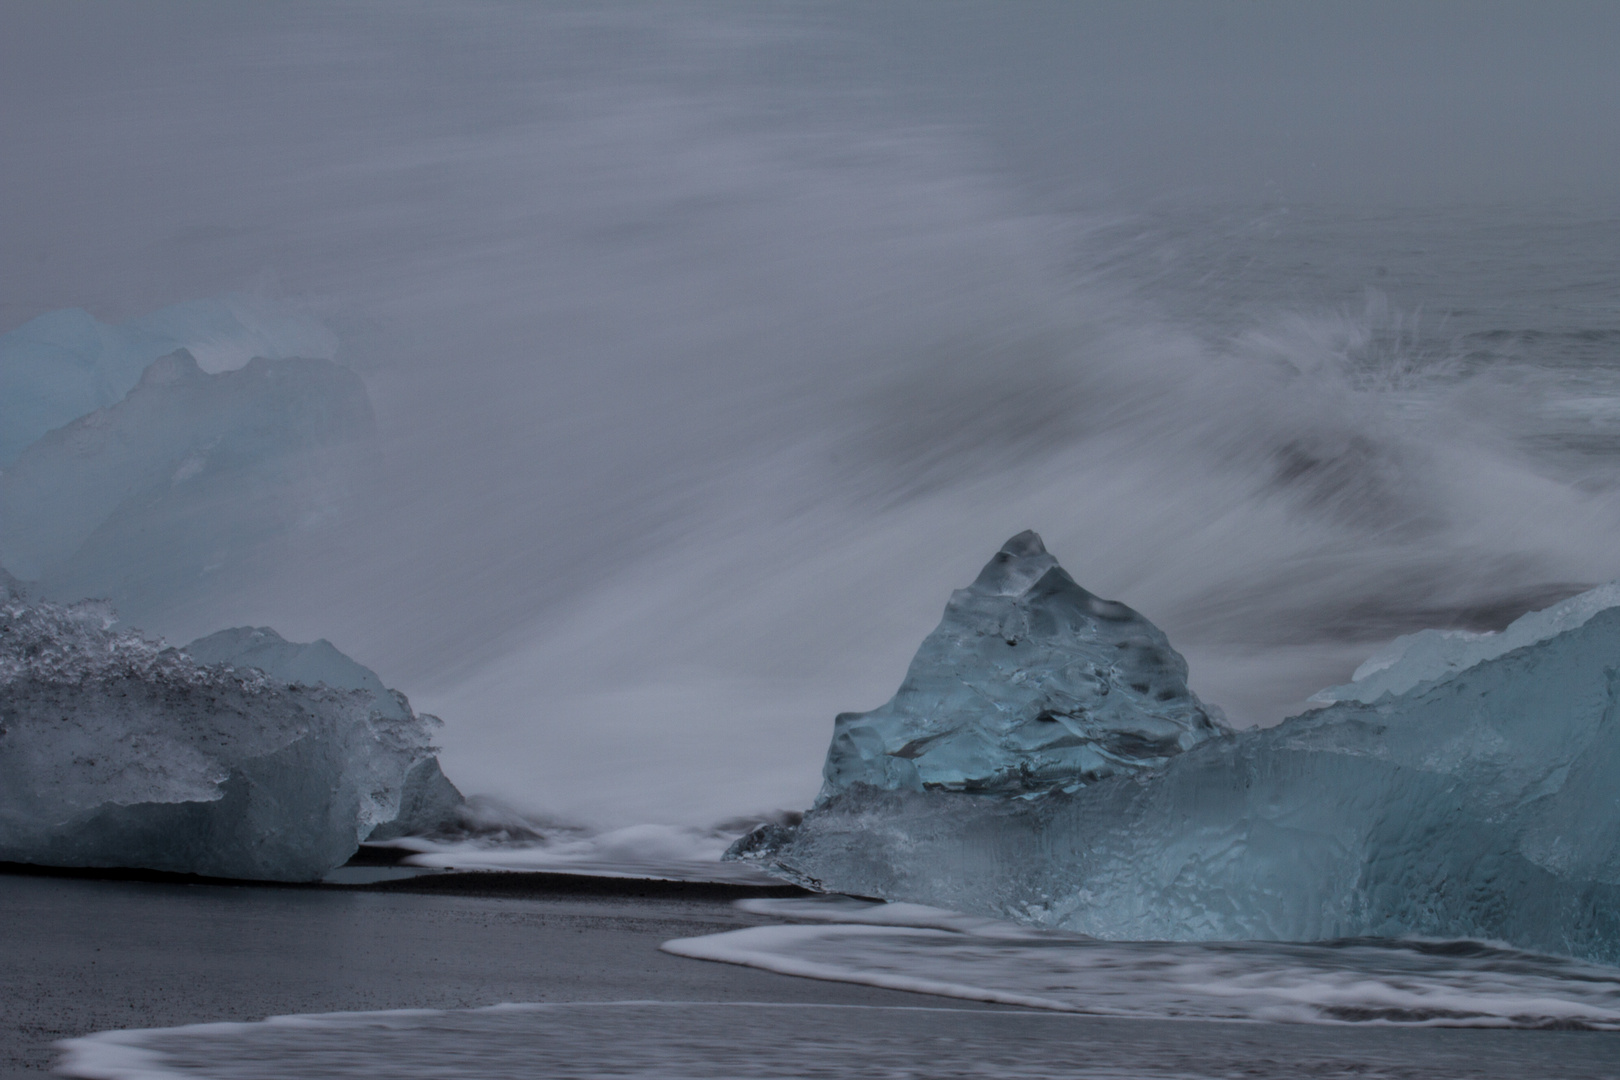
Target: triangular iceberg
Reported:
point(1029, 683)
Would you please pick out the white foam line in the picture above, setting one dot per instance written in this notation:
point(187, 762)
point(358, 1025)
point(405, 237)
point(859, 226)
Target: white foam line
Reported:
point(121, 1055)
point(746, 948)
point(900, 915)
point(773, 948)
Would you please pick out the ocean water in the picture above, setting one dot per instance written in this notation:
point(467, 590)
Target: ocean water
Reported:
point(1059, 1006)
point(1354, 981)
point(744, 1040)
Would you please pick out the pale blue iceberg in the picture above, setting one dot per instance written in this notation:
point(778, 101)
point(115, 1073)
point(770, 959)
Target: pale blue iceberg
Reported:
point(316, 663)
point(186, 481)
point(65, 364)
point(1482, 805)
point(428, 801)
point(1029, 683)
point(116, 751)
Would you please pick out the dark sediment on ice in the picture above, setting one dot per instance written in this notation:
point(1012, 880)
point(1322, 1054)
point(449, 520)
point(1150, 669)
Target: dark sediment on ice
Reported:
point(546, 884)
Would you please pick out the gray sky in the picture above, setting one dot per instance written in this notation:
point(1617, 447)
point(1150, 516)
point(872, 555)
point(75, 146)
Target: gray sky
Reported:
point(1336, 100)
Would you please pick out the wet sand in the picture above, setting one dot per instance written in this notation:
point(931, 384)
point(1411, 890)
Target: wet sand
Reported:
point(80, 954)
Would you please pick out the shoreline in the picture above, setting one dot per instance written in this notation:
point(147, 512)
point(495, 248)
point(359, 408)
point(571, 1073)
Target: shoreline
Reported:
point(485, 883)
point(89, 950)
point(96, 950)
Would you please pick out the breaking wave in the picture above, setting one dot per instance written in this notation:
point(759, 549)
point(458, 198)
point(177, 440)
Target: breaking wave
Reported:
point(1354, 981)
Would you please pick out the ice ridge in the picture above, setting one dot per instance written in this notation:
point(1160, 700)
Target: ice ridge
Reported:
point(183, 477)
point(1477, 805)
point(1427, 655)
point(1029, 683)
point(65, 364)
point(118, 751)
point(317, 663)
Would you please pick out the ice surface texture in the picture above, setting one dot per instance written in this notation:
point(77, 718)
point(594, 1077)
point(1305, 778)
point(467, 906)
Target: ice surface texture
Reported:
point(1029, 683)
point(428, 802)
point(116, 751)
point(1477, 806)
point(65, 364)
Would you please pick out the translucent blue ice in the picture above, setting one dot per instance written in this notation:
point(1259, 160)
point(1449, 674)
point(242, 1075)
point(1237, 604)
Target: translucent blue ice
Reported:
point(1029, 683)
point(65, 364)
point(316, 663)
point(179, 482)
point(117, 751)
point(1478, 805)
point(428, 801)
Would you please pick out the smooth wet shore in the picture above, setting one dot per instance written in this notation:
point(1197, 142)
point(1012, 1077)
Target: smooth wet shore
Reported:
point(79, 955)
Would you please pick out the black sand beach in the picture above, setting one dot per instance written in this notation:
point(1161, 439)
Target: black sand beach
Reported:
point(79, 955)
point(83, 954)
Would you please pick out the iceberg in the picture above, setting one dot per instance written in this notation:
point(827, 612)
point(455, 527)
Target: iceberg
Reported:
point(428, 802)
point(266, 760)
point(1029, 683)
point(1480, 804)
point(66, 364)
point(185, 477)
point(1436, 654)
point(317, 663)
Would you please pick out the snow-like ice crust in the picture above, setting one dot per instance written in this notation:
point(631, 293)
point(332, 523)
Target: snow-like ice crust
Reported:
point(1413, 659)
point(118, 751)
point(316, 663)
point(65, 364)
point(428, 801)
point(1477, 806)
point(1029, 683)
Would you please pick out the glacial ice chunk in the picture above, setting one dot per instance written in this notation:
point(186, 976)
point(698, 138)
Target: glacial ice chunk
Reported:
point(117, 751)
point(316, 663)
point(1480, 805)
point(1427, 655)
point(66, 364)
point(184, 480)
point(1029, 683)
point(428, 801)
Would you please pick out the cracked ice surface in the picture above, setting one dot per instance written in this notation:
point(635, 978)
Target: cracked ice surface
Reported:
point(1481, 805)
point(118, 751)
